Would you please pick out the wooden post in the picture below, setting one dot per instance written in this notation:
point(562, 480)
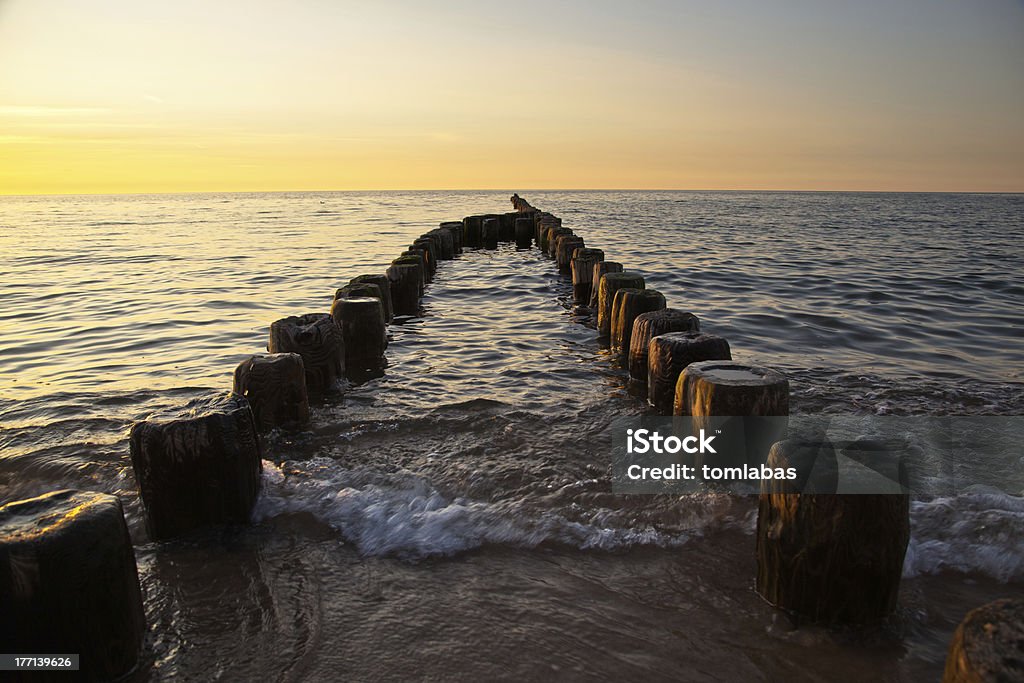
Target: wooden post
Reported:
point(361, 320)
point(384, 286)
point(507, 233)
point(405, 278)
point(524, 233)
point(748, 397)
point(472, 232)
point(429, 262)
point(319, 341)
point(490, 232)
point(626, 306)
point(541, 225)
point(444, 241)
point(582, 268)
point(275, 386)
point(198, 470)
point(455, 229)
point(667, 356)
point(564, 248)
point(553, 235)
point(608, 285)
point(830, 558)
point(69, 584)
point(415, 257)
point(601, 268)
point(988, 645)
point(649, 325)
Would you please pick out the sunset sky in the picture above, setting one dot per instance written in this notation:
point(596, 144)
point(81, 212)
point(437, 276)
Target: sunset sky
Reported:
point(140, 96)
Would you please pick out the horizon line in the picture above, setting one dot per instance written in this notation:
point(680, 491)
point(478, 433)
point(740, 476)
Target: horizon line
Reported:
point(535, 189)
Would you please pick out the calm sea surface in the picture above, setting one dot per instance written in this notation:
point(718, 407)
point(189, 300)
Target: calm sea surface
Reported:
point(455, 515)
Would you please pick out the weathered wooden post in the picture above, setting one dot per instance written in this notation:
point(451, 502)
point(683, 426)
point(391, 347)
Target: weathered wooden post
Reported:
point(69, 584)
point(415, 257)
point(198, 470)
point(601, 268)
point(360, 289)
point(830, 558)
point(319, 341)
point(508, 226)
point(649, 325)
point(445, 243)
point(432, 247)
point(988, 645)
point(582, 268)
point(750, 398)
point(667, 356)
point(609, 284)
point(472, 231)
point(361, 320)
point(564, 249)
point(429, 264)
point(384, 286)
point(431, 243)
point(275, 386)
point(626, 306)
point(455, 228)
point(490, 232)
point(553, 235)
point(405, 278)
point(542, 222)
point(524, 233)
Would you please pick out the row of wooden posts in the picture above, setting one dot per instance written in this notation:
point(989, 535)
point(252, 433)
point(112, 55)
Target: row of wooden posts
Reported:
point(68, 578)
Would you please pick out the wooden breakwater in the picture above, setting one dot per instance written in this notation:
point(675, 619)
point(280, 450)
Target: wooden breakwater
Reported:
point(821, 556)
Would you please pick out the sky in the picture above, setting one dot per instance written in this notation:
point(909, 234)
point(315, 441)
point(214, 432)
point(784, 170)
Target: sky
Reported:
point(125, 96)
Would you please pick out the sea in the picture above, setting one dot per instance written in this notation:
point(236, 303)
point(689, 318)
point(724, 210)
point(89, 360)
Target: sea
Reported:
point(454, 519)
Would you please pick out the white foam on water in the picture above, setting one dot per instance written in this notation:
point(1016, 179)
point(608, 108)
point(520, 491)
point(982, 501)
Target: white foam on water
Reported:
point(402, 514)
point(978, 531)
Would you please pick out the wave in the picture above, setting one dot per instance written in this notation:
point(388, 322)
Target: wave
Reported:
point(402, 514)
point(979, 531)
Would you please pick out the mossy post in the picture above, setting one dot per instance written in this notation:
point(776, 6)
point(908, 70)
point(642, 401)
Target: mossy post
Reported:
point(829, 558)
point(581, 266)
point(384, 286)
point(609, 284)
point(198, 470)
point(649, 325)
point(69, 584)
point(744, 401)
point(668, 354)
point(524, 233)
point(490, 232)
point(626, 306)
point(601, 268)
point(564, 249)
point(275, 386)
point(404, 279)
point(988, 645)
point(319, 341)
point(361, 320)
